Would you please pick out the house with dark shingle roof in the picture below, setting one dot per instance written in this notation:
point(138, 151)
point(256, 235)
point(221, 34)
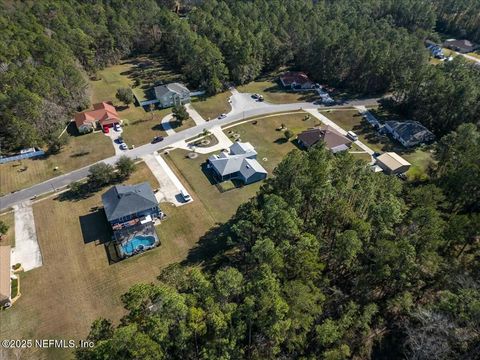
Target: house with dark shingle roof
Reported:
point(172, 94)
point(239, 164)
point(103, 114)
point(333, 140)
point(409, 133)
point(461, 46)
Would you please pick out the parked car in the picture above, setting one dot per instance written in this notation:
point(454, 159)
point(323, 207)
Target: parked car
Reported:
point(351, 135)
point(106, 129)
point(222, 116)
point(260, 98)
point(376, 154)
point(186, 196)
point(117, 127)
point(123, 146)
point(157, 139)
point(255, 96)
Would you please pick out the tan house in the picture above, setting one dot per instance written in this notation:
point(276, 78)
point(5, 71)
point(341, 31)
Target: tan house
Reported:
point(5, 276)
point(392, 163)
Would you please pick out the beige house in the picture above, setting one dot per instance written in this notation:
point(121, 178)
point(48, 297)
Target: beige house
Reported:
point(392, 163)
point(5, 276)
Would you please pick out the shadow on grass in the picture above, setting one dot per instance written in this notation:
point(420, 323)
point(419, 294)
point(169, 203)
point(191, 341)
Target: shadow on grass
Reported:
point(281, 141)
point(95, 228)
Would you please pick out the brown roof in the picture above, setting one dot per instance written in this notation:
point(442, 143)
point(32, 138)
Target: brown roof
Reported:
point(328, 135)
point(5, 289)
point(103, 112)
point(296, 77)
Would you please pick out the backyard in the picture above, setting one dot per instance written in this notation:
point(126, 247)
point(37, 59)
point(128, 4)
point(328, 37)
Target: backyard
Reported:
point(76, 283)
point(80, 151)
point(9, 237)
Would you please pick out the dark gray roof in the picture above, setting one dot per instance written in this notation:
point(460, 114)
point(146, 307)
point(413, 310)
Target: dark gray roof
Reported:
point(411, 131)
point(124, 200)
point(176, 88)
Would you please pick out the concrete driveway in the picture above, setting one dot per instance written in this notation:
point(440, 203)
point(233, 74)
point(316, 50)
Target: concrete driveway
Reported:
point(114, 135)
point(170, 185)
point(26, 250)
point(242, 102)
point(166, 124)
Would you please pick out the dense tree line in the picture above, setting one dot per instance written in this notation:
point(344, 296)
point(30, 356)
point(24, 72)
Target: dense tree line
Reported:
point(441, 97)
point(328, 261)
point(459, 17)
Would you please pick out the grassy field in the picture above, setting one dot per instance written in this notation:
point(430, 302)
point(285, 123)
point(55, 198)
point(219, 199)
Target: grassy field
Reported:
point(274, 93)
point(79, 152)
point(212, 106)
point(9, 237)
point(76, 283)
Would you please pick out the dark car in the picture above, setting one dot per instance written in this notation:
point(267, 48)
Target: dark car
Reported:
point(157, 139)
point(119, 140)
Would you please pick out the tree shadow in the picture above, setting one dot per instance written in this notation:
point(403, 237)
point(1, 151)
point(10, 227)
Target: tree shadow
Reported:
point(95, 227)
point(280, 141)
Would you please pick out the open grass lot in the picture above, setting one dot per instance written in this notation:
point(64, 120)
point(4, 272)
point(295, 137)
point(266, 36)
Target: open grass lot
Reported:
point(76, 283)
point(420, 158)
point(212, 106)
point(9, 238)
point(80, 151)
point(274, 93)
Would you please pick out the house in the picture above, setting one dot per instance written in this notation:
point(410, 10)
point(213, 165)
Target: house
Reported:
point(296, 80)
point(333, 140)
point(461, 46)
point(131, 211)
point(409, 133)
point(5, 277)
point(392, 163)
point(172, 94)
point(239, 164)
point(103, 115)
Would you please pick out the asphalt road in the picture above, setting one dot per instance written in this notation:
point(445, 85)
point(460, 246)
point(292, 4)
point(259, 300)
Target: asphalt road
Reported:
point(63, 180)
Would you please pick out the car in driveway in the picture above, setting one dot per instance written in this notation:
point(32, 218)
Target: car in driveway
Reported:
point(255, 96)
point(119, 140)
point(222, 116)
point(123, 146)
point(106, 129)
point(186, 196)
point(157, 139)
point(117, 127)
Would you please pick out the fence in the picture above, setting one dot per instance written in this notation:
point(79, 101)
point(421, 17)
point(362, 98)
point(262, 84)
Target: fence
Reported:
point(22, 156)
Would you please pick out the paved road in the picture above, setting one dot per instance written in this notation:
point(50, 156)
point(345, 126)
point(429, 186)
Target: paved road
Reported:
point(265, 109)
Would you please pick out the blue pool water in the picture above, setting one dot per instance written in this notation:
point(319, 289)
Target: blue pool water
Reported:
point(139, 243)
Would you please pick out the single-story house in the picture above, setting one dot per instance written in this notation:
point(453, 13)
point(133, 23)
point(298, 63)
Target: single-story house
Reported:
point(392, 163)
point(239, 164)
point(409, 133)
point(103, 114)
point(333, 140)
point(461, 46)
point(131, 211)
point(296, 80)
point(5, 276)
point(172, 94)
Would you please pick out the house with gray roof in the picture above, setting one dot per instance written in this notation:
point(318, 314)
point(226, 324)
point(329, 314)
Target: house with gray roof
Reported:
point(172, 94)
point(131, 211)
point(409, 133)
point(240, 163)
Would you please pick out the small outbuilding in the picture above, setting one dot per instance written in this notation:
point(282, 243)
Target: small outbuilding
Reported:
point(392, 163)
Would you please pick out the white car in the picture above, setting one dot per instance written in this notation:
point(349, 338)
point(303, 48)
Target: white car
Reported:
point(186, 196)
point(117, 127)
point(223, 116)
point(123, 146)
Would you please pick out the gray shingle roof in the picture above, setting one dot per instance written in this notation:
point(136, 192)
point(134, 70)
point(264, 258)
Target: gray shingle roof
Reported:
point(410, 131)
point(177, 88)
point(124, 200)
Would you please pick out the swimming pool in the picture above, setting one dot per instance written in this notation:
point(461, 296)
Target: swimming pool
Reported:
point(138, 243)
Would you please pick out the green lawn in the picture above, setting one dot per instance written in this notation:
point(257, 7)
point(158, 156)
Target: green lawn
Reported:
point(76, 283)
point(475, 54)
point(9, 220)
point(212, 106)
point(80, 151)
point(274, 93)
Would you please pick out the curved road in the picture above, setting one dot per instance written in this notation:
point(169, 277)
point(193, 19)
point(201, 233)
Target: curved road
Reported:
point(235, 115)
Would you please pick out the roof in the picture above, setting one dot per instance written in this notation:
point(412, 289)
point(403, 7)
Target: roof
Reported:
point(176, 88)
point(392, 160)
point(124, 200)
point(101, 112)
point(241, 159)
point(5, 289)
point(328, 135)
point(411, 131)
point(461, 44)
point(296, 77)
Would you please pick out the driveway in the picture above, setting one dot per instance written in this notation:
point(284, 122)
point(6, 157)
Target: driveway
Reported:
point(166, 124)
point(170, 185)
point(114, 135)
point(242, 102)
point(26, 250)
point(197, 118)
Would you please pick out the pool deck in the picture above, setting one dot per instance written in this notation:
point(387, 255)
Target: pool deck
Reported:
point(125, 235)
